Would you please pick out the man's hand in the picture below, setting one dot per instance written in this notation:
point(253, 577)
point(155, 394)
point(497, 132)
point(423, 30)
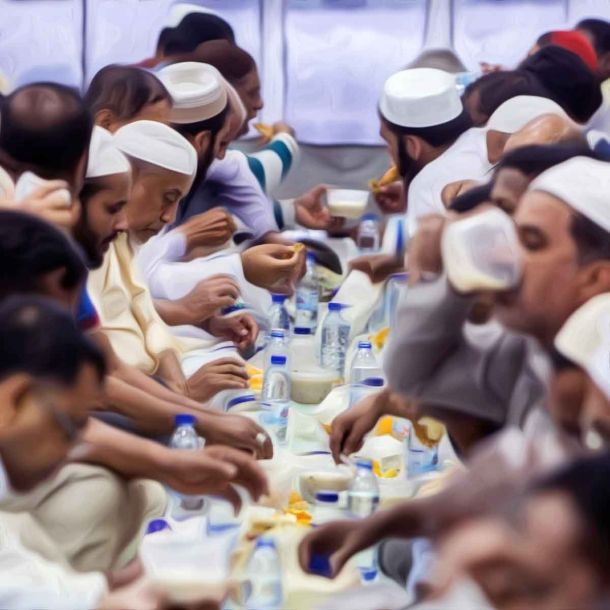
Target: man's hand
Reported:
point(425, 248)
point(211, 378)
point(211, 228)
point(350, 427)
point(281, 127)
point(239, 432)
point(207, 298)
point(211, 471)
point(391, 198)
point(50, 202)
point(338, 541)
point(311, 212)
point(241, 329)
point(276, 267)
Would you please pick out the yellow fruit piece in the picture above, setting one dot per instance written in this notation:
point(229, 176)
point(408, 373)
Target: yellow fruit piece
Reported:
point(384, 426)
point(294, 497)
point(328, 428)
point(380, 337)
point(256, 383)
point(390, 473)
point(265, 130)
point(253, 370)
point(390, 176)
point(298, 247)
point(429, 431)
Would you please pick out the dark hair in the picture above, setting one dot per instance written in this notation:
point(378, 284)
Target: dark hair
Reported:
point(195, 29)
point(471, 198)
point(587, 484)
point(45, 127)
point(496, 88)
point(41, 338)
point(124, 90)
point(537, 158)
point(214, 125)
point(600, 32)
point(592, 241)
point(437, 135)
point(164, 36)
point(567, 79)
point(231, 61)
point(31, 248)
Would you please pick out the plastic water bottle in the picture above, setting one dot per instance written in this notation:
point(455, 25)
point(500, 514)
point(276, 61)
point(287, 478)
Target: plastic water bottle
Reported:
point(276, 397)
point(303, 350)
point(185, 437)
point(363, 500)
point(368, 386)
point(277, 346)
point(364, 364)
point(264, 575)
point(280, 320)
point(367, 239)
point(335, 338)
point(308, 296)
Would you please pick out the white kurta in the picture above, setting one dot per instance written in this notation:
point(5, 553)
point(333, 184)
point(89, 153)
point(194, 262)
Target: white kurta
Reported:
point(466, 159)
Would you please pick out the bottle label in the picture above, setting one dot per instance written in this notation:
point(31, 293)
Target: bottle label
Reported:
point(307, 307)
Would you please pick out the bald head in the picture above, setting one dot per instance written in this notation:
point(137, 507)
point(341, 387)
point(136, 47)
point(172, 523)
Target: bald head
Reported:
point(45, 128)
point(546, 129)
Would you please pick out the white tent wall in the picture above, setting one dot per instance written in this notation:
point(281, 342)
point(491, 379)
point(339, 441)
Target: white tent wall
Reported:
point(322, 61)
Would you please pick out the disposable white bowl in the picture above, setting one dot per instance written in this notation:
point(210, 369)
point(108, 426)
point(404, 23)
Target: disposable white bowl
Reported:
point(347, 203)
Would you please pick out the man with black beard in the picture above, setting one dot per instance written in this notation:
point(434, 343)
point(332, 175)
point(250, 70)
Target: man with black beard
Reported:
point(429, 138)
point(199, 113)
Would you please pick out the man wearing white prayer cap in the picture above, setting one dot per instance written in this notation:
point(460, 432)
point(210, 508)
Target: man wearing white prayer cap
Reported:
point(564, 229)
point(422, 120)
point(512, 116)
point(200, 106)
point(164, 165)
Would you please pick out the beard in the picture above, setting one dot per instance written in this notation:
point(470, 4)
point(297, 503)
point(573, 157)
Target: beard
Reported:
point(88, 241)
point(407, 168)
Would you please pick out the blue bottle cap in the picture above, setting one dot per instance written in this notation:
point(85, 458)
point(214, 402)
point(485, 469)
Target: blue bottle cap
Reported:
point(311, 257)
point(157, 525)
point(373, 382)
point(278, 298)
point(403, 276)
point(327, 496)
point(369, 216)
point(278, 334)
point(364, 345)
point(184, 419)
point(302, 330)
point(320, 564)
point(279, 360)
point(336, 306)
point(240, 400)
point(366, 464)
point(265, 542)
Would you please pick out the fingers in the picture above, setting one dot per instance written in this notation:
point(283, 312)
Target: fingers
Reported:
point(354, 440)
point(47, 187)
point(249, 473)
point(233, 369)
point(337, 439)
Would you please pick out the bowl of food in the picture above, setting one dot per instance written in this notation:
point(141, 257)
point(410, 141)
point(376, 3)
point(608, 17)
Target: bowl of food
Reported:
point(347, 203)
point(312, 386)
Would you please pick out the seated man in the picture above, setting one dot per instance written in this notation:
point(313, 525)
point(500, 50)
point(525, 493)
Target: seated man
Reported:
point(38, 259)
